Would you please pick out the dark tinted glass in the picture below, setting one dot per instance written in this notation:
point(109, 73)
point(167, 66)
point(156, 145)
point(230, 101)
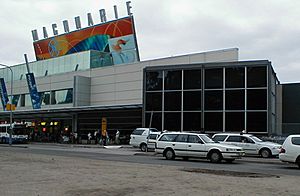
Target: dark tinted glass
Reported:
point(192, 100)
point(257, 121)
point(173, 80)
point(168, 137)
point(234, 121)
point(219, 138)
point(213, 121)
point(153, 136)
point(155, 121)
point(235, 77)
point(213, 78)
point(257, 99)
point(213, 100)
point(172, 121)
point(181, 138)
point(192, 121)
point(172, 101)
point(154, 101)
point(235, 99)
point(194, 139)
point(257, 76)
point(234, 139)
point(138, 132)
point(154, 80)
point(296, 140)
point(192, 79)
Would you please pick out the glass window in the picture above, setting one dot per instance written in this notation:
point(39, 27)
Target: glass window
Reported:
point(62, 96)
point(192, 100)
point(138, 132)
point(194, 139)
point(192, 79)
point(257, 121)
point(156, 120)
point(27, 100)
point(247, 140)
point(192, 121)
point(153, 136)
point(213, 100)
point(235, 99)
point(172, 101)
point(173, 80)
point(234, 121)
point(219, 138)
point(213, 78)
point(213, 121)
point(168, 137)
point(296, 140)
point(257, 99)
point(181, 138)
point(154, 101)
point(235, 77)
point(154, 80)
point(45, 97)
point(172, 121)
point(257, 76)
point(234, 139)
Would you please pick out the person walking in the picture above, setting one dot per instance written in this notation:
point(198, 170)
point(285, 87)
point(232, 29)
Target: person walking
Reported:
point(104, 135)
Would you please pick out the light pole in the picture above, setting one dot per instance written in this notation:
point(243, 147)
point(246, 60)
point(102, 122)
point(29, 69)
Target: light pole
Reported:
point(11, 99)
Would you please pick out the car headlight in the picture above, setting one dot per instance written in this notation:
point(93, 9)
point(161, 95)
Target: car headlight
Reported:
point(276, 147)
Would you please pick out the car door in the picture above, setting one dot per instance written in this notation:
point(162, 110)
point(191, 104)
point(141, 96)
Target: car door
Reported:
point(180, 145)
point(249, 146)
point(196, 147)
point(234, 140)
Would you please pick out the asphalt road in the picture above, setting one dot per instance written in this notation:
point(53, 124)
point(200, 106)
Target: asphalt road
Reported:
point(251, 165)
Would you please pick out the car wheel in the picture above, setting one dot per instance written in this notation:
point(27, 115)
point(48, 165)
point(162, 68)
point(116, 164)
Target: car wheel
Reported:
point(265, 153)
point(215, 157)
point(143, 147)
point(229, 160)
point(298, 162)
point(169, 154)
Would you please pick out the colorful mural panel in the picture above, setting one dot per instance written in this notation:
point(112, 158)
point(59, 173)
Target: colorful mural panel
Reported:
point(90, 38)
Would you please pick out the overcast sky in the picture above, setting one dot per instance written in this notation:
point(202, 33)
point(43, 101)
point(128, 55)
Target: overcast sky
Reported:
point(261, 29)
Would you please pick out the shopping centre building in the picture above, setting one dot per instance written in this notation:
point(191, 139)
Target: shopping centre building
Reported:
point(99, 82)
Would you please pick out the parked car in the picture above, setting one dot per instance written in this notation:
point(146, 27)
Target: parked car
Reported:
point(251, 144)
point(138, 138)
point(183, 144)
point(290, 151)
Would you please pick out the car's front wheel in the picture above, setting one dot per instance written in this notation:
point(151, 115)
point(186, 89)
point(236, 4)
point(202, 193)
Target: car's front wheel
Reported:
point(265, 153)
point(215, 157)
point(143, 147)
point(169, 154)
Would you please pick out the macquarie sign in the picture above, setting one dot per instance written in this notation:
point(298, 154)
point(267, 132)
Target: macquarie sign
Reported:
point(116, 38)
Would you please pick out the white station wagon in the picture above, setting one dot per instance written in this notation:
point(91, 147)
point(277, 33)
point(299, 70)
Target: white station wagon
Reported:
point(183, 144)
point(251, 144)
point(290, 151)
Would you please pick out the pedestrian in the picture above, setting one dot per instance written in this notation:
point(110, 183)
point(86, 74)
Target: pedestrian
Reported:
point(117, 139)
point(95, 136)
point(89, 137)
point(104, 135)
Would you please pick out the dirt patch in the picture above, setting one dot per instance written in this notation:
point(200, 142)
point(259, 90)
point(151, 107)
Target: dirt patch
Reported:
point(229, 173)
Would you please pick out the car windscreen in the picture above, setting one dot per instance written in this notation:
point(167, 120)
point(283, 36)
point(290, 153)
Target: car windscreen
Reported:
point(207, 139)
point(256, 139)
